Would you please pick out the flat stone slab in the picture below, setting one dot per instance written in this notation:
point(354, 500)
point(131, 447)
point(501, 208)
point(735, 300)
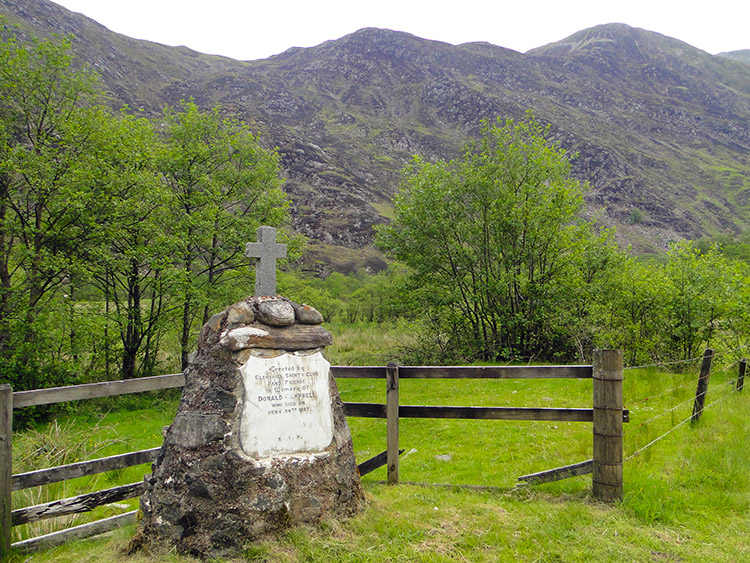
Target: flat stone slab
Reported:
point(287, 406)
point(293, 337)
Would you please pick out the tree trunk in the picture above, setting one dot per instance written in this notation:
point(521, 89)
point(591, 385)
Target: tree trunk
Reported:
point(185, 339)
point(132, 335)
point(5, 282)
point(211, 270)
point(106, 325)
point(152, 333)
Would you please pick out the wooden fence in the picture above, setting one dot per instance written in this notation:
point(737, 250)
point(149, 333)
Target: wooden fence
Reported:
point(607, 416)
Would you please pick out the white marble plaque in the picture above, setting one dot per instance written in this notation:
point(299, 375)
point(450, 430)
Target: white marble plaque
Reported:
point(287, 407)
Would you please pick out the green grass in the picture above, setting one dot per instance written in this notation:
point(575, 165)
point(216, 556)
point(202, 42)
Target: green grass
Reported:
point(364, 344)
point(384, 209)
point(100, 428)
point(687, 497)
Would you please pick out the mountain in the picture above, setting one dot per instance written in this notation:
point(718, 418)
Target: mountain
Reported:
point(743, 56)
point(662, 129)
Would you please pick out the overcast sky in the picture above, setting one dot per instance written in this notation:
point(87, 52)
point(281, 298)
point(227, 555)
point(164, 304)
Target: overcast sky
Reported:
point(256, 29)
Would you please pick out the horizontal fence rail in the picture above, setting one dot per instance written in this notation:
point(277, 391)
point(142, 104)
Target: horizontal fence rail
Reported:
point(466, 372)
point(391, 373)
point(82, 469)
point(378, 410)
point(159, 382)
point(583, 468)
point(76, 505)
point(76, 533)
point(96, 390)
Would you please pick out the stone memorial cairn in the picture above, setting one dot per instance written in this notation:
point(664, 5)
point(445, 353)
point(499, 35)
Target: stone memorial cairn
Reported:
point(259, 442)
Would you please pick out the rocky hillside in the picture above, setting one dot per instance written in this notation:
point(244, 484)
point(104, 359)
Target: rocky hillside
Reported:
point(743, 56)
point(662, 129)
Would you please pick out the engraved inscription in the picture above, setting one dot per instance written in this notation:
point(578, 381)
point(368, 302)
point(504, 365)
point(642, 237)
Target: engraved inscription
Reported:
point(287, 406)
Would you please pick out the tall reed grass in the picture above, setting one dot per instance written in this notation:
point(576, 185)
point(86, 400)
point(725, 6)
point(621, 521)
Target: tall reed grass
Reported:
point(58, 443)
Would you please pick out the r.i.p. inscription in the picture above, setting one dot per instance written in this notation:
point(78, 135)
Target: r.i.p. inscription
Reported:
point(287, 406)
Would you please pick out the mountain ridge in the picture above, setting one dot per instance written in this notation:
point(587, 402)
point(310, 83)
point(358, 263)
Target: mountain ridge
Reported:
point(662, 129)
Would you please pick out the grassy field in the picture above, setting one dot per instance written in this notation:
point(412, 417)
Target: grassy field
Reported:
point(687, 496)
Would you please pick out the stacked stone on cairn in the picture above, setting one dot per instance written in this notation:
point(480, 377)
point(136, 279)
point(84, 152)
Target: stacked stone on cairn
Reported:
point(259, 442)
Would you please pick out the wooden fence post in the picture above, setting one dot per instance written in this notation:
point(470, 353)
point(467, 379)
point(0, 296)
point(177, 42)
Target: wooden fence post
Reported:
point(391, 411)
point(608, 419)
point(700, 392)
point(741, 376)
point(6, 467)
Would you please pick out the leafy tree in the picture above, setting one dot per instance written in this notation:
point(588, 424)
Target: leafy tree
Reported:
point(303, 290)
point(699, 296)
point(589, 290)
point(634, 316)
point(224, 185)
point(131, 262)
point(736, 247)
point(47, 133)
point(493, 242)
point(737, 314)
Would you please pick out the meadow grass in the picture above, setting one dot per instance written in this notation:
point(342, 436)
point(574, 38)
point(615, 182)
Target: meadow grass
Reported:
point(687, 496)
point(97, 428)
point(367, 344)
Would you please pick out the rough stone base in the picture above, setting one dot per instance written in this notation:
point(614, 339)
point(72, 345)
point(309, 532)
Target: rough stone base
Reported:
point(207, 498)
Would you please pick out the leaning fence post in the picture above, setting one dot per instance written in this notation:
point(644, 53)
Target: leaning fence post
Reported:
point(700, 392)
point(741, 376)
point(391, 413)
point(6, 467)
point(608, 418)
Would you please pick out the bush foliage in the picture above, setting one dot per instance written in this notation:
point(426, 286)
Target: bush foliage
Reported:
point(501, 267)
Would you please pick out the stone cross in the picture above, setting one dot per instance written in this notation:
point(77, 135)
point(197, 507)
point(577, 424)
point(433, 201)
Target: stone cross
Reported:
point(267, 251)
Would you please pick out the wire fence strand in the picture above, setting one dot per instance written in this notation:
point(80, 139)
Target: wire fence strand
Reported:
point(662, 364)
point(652, 442)
point(675, 427)
point(678, 405)
point(675, 407)
point(691, 382)
point(689, 360)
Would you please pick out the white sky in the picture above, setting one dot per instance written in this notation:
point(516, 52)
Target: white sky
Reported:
point(256, 29)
